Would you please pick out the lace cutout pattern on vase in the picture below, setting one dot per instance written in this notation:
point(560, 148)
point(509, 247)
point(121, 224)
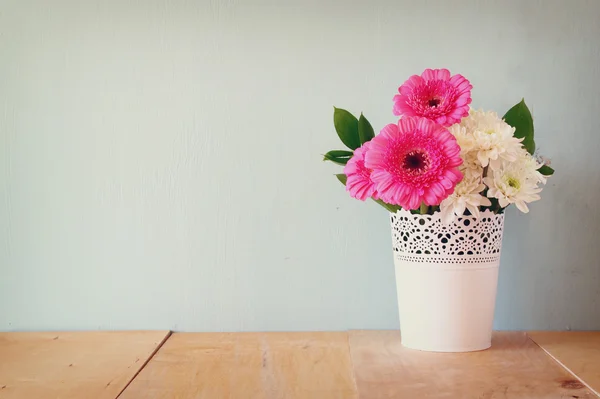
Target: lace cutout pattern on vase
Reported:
point(416, 235)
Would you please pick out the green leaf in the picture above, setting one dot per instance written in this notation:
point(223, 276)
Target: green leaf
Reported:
point(341, 157)
point(520, 118)
point(365, 130)
point(342, 178)
point(495, 207)
point(389, 207)
point(546, 170)
point(346, 126)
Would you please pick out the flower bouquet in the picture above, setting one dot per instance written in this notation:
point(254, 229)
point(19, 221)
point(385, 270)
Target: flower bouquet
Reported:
point(445, 172)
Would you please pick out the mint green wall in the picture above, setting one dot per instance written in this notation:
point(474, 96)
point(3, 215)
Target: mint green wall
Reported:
point(160, 160)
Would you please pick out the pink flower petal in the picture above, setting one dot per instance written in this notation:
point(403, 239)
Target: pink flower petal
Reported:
point(434, 95)
point(431, 74)
point(358, 176)
point(413, 162)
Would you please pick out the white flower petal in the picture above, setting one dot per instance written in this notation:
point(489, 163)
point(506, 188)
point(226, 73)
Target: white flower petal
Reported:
point(447, 211)
point(473, 209)
point(484, 201)
point(459, 208)
point(522, 206)
point(483, 159)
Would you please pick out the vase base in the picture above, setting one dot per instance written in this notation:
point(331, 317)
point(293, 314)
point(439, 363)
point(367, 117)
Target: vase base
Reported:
point(447, 349)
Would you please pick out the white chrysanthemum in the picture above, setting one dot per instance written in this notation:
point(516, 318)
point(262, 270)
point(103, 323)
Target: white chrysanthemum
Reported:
point(468, 150)
point(516, 182)
point(491, 138)
point(466, 195)
point(471, 168)
point(531, 164)
point(464, 138)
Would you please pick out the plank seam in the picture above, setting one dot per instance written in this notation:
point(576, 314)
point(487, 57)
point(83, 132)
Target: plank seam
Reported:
point(564, 367)
point(160, 345)
point(353, 373)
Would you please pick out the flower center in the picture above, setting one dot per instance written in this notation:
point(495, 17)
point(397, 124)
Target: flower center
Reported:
point(514, 183)
point(415, 162)
point(434, 102)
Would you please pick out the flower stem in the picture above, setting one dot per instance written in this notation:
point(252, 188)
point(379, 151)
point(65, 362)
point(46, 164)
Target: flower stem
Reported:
point(424, 209)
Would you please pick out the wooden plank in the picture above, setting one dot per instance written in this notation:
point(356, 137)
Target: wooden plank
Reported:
point(248, 365)
point(65, 365)
point(515, 367)
point(577, 351)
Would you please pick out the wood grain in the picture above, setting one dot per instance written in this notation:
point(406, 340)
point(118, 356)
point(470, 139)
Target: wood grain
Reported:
point(65, 365)
point(248, 366)
point(515, 367)
point(577, 351)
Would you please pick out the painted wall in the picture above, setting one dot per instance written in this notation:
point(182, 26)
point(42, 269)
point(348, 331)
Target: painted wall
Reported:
point(161, 160)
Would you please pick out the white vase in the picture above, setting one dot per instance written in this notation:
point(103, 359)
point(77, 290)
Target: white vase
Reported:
point(446, 279)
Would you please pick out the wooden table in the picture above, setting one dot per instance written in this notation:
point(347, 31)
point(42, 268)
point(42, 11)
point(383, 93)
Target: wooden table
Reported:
point(358, 364)
point(52, 365)
point(578, 352)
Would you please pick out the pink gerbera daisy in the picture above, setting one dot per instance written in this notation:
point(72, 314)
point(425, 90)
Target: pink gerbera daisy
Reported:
point(434, 95)
point(358, 177)
point(414, 161)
